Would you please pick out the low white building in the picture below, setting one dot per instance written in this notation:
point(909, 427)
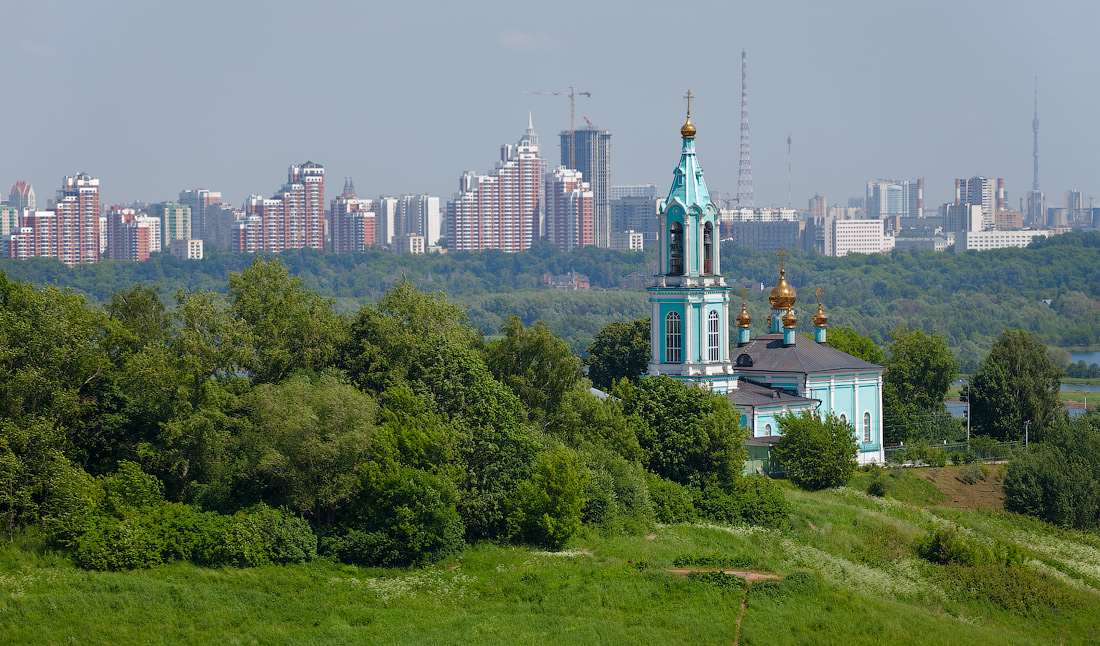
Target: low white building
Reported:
point(627, 241)
point(842, 237)
point(982, 240)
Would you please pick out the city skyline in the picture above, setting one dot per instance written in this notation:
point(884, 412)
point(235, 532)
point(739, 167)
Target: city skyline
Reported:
point(229, 127)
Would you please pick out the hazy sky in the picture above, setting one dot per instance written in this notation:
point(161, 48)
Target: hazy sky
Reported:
point(153, 97)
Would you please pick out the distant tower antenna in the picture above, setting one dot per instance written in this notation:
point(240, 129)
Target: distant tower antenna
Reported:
point(744, 175)
point(1035, 129)
point(788, 170)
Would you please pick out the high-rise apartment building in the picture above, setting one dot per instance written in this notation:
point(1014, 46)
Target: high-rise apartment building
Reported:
point(569, 209)
point(175, 222)
point(982, 191)
point(1035, 209)
point(419, 215)
point(353, 222)
point(130, 235)
point(888, 198)
point(499, 210)
point(10, 220)
point(386, 224)
point(22, 197)
point(76, 212)
point(199, 200)
point(636, 213)
point(818, 207)
point(294, 218)
point(590, 150)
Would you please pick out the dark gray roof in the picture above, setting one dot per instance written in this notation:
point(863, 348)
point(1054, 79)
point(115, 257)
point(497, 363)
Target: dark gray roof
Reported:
point(749, 393)
point(768, 354)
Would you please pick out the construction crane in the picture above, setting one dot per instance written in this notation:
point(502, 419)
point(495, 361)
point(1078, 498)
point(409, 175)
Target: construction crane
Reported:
point(572, 111)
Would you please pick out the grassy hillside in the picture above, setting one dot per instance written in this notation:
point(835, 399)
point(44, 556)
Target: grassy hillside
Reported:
point(866, 585)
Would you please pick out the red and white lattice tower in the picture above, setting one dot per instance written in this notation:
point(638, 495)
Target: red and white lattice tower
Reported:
point(744, 176)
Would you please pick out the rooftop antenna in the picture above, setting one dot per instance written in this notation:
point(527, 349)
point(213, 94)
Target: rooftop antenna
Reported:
point(788, 170)
point(744, 175)
point(1035, 129)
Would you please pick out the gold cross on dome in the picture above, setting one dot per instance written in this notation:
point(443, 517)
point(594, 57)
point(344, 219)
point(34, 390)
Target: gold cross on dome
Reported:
point(819, 293)
point(782, 255)
point(688, 97)
point(744, 295)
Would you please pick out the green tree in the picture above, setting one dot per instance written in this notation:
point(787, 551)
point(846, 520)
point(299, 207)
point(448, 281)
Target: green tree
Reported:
point(546, 507)
point(847, 340)
point(141, 317)
point(620, 350)
point(209, 342)
point(302, 451)
point(291, 328)
point(1017, 384)
point(919, 371)
point(817, 453)
point(687, 434)
point(384, 338)
point(536, 365)
point(1059, 479)
point(584, 421)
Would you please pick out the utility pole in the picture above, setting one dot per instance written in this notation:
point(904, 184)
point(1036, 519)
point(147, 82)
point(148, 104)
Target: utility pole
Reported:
point(1026, 424)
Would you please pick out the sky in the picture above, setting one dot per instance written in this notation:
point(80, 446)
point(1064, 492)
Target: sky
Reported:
point(155, 97)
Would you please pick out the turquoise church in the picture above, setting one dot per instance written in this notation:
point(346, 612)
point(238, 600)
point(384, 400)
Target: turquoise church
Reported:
point(764, 377)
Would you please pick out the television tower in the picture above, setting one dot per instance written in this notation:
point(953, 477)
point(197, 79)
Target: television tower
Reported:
point(1035, 129)
point(744, 175)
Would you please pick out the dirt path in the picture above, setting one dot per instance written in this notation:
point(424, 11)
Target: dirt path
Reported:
point(748, 575)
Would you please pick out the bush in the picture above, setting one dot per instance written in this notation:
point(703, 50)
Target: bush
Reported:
point(971, 474)
point(672, 502)
point(1059, 480)
point(753, 500)
point(878, 486)
point(936, 457)
point(945, 546)
point(616, 496)
point(817, 453)
point(546, 508)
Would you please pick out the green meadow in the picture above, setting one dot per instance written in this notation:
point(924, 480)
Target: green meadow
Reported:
point(848, 564)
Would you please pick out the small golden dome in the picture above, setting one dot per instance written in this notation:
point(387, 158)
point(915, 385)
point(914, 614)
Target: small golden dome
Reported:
point(789, 319)
point(820, 318)
point(687, 131)
point(782, 296)
point(744, 319)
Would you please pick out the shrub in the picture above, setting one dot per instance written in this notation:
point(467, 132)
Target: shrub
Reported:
point(546, 508)
point(720, 580)
point(672, 502)
point(616, 496)
point(878, 486)
point(936, 457)
point(817, 453)
point(945, 546)
point(1059, 480)
point(956, 457)
point(971, 474)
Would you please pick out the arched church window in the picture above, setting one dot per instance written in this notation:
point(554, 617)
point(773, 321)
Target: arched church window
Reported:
point(744, 361)
point(867, 427)
point(672, 338)
point(676, 249)
point(768, 430)
point(843, 419)
point(708, 249)
point(712, 335)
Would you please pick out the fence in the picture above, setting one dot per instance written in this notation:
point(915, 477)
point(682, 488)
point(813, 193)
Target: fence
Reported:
point(982, 449)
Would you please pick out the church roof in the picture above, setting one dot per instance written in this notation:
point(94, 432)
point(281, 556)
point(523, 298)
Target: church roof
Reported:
point(749, 393)
point(768, 354)
point(688, 188)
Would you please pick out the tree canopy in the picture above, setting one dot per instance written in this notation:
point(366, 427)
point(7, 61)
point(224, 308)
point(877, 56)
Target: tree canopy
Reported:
point(1017, 384)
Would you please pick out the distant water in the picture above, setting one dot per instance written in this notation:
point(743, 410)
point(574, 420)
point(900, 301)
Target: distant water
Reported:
point(958, 409)
point(1089, 357)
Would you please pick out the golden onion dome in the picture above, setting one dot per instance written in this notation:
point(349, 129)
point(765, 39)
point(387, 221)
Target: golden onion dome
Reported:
point(687, 131)
point(744, 319)
point(820, 318)
point(782, 296)
point(789, 319)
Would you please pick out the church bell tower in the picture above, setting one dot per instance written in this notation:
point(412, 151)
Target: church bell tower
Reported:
point(689, 301)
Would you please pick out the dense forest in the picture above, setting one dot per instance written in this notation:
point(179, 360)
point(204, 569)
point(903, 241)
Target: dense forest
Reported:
point(260, 426)
point(1051, 288)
